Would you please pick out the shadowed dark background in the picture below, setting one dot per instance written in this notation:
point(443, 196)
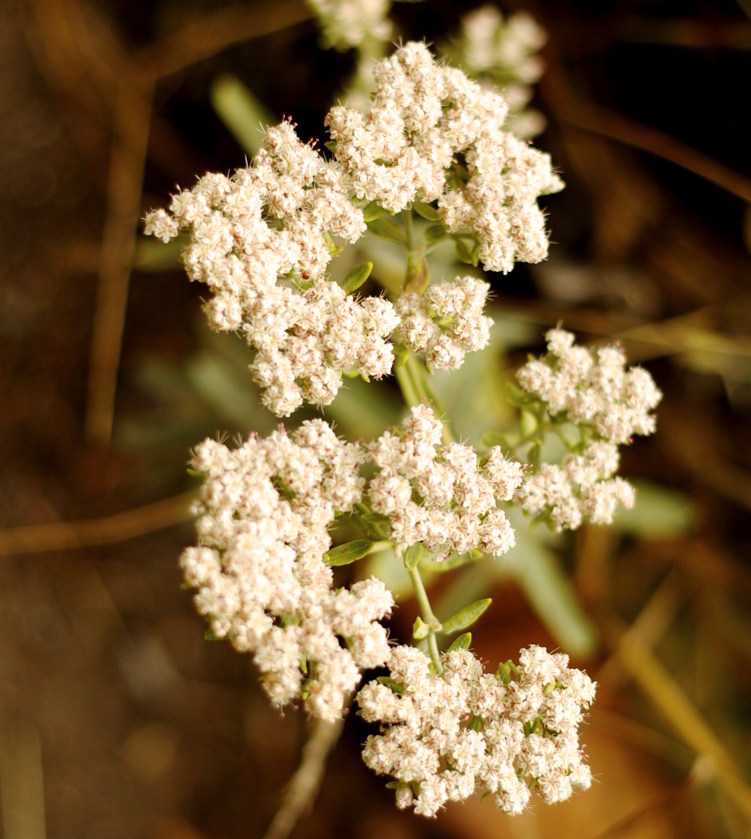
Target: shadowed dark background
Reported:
point(116, 718)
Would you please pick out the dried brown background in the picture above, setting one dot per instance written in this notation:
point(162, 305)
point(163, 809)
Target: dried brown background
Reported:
point(117, 719)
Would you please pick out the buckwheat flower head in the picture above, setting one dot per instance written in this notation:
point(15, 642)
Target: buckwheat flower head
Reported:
point(259, 572)
point(582, 488)
point(441, 495)
point(503, 47)
point(253, 233)
point(503, 51)
point(347, 23)
point(306, 340)
point(271, 219)
point(593, 387)
point(445, 322)
point(433, 135)
point(444, 737)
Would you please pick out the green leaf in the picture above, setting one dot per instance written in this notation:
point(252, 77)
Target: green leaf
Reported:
point(414, 554)
point(506, 671)
point(348, 553)
point(242, 113)
point(434, 234)
point(372, 211)
point(426, 211)
point(461, 642)
point(420, 629)
point(386, 229)
point(463, 251)
point(396, 687)
point(659, 513)
point(356, 277)
point(465, 617)
point(528, 422)
point(516, 395)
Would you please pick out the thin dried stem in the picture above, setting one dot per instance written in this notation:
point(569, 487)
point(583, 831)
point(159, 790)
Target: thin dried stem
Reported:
point(213, 33)
point(107, 530)
point(132, 119)
point(306, 781)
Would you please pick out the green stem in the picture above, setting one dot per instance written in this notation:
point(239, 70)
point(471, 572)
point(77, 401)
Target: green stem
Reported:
point(419, 381)
point(426, 613)
point(417, 276)
point(406, 385)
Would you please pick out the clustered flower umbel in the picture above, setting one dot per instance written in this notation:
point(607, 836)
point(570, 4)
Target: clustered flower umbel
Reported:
point(590, 388)
point(505, 52)
point(305, 341)
point(444, 737)
point(261, 240)
point(259, 570)
point(432, 134)
point(441, 495)
point(273, 220)
point(445, 322)
point(347, 23)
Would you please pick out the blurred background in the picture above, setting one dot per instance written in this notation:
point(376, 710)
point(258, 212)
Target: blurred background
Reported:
point(117, 719)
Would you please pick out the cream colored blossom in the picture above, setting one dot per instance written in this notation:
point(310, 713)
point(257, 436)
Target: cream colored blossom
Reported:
point(259, 572)
point(434, 135)
point(593, 387)
point(347, 23)
point(445, 322)
point(444, 737)
point(441, 495)
point(255, 233)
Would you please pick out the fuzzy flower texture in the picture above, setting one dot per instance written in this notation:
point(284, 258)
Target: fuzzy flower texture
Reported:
point(593, 390)
point(259, 570)
point(441, 495)
point(262, 239)
point(432, 134)
point(444, 737)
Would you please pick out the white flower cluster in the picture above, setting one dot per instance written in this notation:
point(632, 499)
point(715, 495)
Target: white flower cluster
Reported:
point(447, 736)
point(588, 388)
point(593, 387)
point(306, 340)
point(504, 51)
point(270, 220)
point(347, 23)
point(581, 488)
point(259, 570)
point(441, 495)
point(445, 322)
point(503, 47)
point(434, 135)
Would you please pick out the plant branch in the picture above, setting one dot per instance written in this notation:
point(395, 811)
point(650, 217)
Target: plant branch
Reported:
point(306, 781)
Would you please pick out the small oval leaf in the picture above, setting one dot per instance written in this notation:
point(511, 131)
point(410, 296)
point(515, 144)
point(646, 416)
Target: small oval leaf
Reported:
point(463, 251)
point(420, 629)
point(465, 617)
point(348, 553)
point(434, 234)
point(356, 277)
point(372, 211)
point(386, 229)
point(462, 642)
point(413, 555)
point(426, 211)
